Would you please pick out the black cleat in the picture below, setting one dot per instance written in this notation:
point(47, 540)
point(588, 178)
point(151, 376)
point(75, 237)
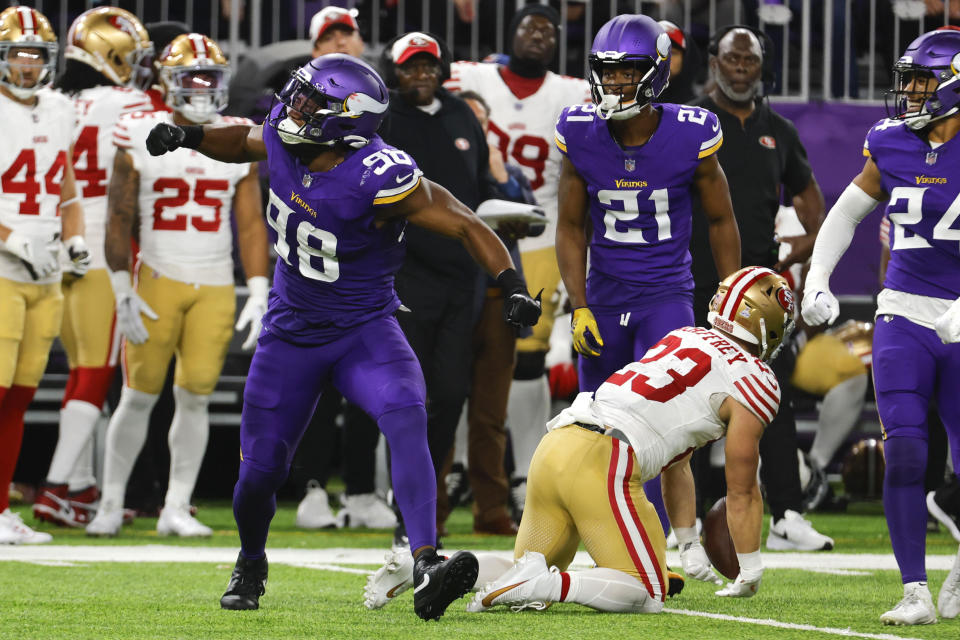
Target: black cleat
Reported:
point(247, 583)
point(438, 581)
point(675, 583)
point(944, 505)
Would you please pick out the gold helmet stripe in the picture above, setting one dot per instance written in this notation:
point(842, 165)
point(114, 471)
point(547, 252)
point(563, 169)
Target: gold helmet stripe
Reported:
point(738, 288)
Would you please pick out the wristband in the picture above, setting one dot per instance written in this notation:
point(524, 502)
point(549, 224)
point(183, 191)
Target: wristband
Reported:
point(120, 281)
point(67, 203)
point(751, 565)
point(686, 535)
point(511, 282)
point(192, 136)
point(259, 286)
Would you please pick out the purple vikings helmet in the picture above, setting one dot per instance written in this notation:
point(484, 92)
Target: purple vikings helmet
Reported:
point(339, 98)
point(629, 38)
point(934, 55)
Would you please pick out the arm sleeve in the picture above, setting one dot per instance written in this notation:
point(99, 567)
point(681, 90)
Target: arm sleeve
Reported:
point(835, 234)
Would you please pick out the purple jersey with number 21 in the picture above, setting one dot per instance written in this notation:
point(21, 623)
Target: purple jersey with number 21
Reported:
point(336, 264)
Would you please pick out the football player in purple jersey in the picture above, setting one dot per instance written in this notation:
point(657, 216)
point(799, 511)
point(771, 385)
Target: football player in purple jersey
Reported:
point(340, 199)
point(912, 164)
point(628, 170)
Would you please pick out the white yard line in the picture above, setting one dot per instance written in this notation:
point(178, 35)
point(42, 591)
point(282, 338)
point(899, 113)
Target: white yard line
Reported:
point(849, 633)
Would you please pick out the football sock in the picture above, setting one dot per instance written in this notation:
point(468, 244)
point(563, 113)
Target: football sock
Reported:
point(188, 442)
point(460, 441)
point(83, 475)
point(904, 504)
point(13, 405)
point(528, 409)
point(77, 422)
point(606, 590)
point(254, 503)
point(411, 469)
point(491, 568)
point(838, 415)
point(651, 488)
point(125, 437)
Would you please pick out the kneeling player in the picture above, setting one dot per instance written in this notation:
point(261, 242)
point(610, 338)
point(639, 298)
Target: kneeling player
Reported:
point(586, 480)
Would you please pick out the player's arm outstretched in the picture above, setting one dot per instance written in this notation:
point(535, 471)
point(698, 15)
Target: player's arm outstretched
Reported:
point(122, 207)
point(252, 242)
point(859, 198)
point(432, 207)
point(711, 182)
point(679, 496)
point(571, 244)
point(744, 502)
point(226, 143)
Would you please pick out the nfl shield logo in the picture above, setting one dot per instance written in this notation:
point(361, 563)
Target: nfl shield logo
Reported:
point(629, 164)
point(931, 157)
point(307, 180)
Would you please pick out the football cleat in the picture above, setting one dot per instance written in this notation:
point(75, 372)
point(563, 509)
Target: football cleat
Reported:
point(458, 486)
point(948, 602)
point(314, 512)
point(14, 531)
point(793, 532)
point(916, 607)
point(247, 583)
point(366, 510)
point(107, 523)
point(675, 583)
point(179, 522)
point(944, 505)
point(53, 506)
point(439, 581)
point(390, 580)
point(528, 584)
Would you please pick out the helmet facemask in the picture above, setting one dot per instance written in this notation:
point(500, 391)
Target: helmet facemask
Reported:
point(621, 101)
point(921, 94)
point(198, 93)
point(15, 57)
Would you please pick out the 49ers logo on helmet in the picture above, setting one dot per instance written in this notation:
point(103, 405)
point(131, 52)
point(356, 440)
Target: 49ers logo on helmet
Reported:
point(786, 299)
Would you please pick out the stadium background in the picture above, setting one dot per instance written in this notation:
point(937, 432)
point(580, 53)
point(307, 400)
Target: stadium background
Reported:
point(831, 65)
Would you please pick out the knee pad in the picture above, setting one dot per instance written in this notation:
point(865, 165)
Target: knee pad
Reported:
point(190, 402)
point(530, 365)
point(401, 393)
point(138, 400)
point(267, 455)
point(903, 410)
point(905, 461)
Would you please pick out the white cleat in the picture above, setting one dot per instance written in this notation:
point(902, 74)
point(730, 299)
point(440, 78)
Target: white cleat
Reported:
point(795, 533)
point(177, 521)
point(672, 536)
point(915, 608)
point(14, 531)
point(107, 522)
point(314, 511)
point(366, 510)
point(948, 602)
point(390, 580)
point(528, 584)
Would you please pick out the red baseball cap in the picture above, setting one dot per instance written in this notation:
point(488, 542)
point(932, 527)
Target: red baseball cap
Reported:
point(675, 33)
point(329, 16)
point(412, 44)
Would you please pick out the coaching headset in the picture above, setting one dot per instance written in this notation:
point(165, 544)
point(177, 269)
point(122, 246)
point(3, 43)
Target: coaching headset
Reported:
point(767, 72)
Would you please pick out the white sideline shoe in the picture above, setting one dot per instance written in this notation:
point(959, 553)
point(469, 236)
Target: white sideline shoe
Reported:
point(794, 533)
point(178, 521)
point(948, 602)
point(366, 510)
point(314, 512)
point(390, 580)
point(107, 522)
point(916, 607)
point(14, 531)
point(528, 584)
point(672, 536)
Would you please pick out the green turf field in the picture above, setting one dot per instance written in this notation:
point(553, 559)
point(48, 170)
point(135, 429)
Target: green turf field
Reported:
point(179, 599)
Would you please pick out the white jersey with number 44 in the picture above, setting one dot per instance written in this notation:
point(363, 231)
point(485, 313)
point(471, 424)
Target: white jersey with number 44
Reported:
point(185, 204)
point(33, 157)
point(668, 403)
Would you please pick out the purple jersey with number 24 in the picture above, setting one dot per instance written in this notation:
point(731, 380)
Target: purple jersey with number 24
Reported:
point(336, 263)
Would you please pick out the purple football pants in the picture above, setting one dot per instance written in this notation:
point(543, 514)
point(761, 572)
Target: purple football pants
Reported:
point(911, 369)
point(626, 337)
point(374, 368)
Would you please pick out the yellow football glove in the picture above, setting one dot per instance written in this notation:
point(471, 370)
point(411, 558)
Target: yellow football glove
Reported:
point(586, 334)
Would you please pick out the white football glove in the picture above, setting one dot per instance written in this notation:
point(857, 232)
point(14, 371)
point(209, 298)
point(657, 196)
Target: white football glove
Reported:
point(948, 324)
point(819, 306)
point(696, 564)
point(129, 308)
point(742, 587)
point(78, 254)
point(39, 256)
point(253, 310)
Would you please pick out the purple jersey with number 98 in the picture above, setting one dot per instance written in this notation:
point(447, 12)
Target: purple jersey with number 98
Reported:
point(924, 209)
point(335, 265)
point(639, 200)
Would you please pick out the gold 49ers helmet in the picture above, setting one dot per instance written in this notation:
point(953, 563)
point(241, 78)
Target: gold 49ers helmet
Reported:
point(112, 41)
point(756, 305)
point(26, 40)
point(195, 77)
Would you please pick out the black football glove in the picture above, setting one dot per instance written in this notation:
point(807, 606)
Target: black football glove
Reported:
point(519, 309)
point(164, 138)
